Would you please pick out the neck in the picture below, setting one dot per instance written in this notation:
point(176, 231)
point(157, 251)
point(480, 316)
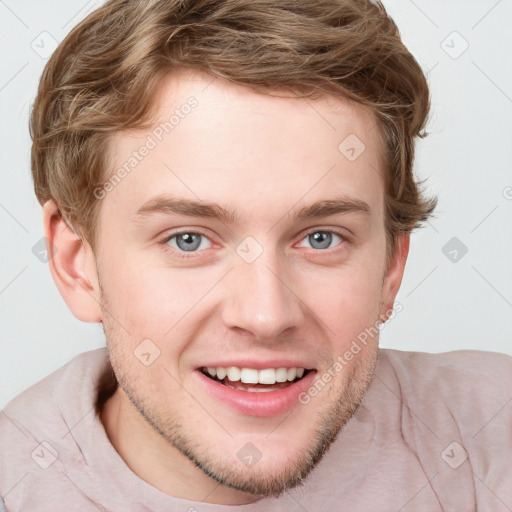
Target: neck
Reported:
point(153, 459)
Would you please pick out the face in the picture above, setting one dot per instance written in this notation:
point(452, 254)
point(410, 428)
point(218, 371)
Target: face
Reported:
point(257, 284)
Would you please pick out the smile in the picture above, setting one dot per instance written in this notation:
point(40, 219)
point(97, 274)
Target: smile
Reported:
point(253, 380)
point(256, 392)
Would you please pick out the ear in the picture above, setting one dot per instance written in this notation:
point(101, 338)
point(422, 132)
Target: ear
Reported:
point(73, 266)
point(394, 274)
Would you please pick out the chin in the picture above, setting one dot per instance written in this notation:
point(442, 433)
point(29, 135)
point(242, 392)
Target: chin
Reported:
point(269, 467)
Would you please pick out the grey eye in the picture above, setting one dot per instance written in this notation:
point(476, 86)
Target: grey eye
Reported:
point(322, 239)
point(187, 241)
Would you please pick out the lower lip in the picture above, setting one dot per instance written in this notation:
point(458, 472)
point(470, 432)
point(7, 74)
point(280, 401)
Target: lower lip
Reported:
point(266, 403)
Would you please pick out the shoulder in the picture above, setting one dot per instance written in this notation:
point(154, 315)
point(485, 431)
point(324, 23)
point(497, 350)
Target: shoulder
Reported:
point(466, 374)
point(52, 403)
point(459, 365)
point(35, 429)
point(461, 381)
point(456, 413)
point(42, 398)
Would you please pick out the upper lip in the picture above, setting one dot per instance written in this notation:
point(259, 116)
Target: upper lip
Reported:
point(258, 365)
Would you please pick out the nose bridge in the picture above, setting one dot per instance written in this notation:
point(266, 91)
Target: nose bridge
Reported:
point(259, 297)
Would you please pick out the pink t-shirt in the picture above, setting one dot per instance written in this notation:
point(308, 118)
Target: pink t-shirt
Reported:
point(434, 433)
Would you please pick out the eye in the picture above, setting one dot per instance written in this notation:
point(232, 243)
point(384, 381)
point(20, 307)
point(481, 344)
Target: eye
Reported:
point(187, 241)
point(322, 239)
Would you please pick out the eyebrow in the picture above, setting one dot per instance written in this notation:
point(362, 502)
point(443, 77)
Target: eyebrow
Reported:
point(168, 205)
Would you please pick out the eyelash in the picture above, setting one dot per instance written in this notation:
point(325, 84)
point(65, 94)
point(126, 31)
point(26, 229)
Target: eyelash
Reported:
point(188, 255)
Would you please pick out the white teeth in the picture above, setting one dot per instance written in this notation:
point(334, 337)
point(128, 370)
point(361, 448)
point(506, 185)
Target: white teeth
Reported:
point(252, 376)
point(234, 373)
point(249, 376)
point(267, 376)
point(281, 375)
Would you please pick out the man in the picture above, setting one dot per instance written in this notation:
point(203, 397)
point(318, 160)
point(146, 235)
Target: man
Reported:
point(227, 187)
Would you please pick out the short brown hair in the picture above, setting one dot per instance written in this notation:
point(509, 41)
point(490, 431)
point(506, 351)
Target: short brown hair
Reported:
point(102, 77)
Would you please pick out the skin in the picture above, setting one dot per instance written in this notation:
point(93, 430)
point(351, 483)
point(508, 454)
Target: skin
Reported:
point(264, 157)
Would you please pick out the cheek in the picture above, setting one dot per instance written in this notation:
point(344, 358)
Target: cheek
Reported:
point(350, 301)
point(157, 302)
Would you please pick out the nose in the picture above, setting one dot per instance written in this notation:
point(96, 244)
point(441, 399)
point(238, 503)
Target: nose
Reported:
point(261, 299)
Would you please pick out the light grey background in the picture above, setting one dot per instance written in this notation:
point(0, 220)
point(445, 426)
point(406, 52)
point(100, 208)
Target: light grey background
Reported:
point(467, 158)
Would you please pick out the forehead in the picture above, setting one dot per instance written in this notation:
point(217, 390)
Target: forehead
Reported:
point(217, 141)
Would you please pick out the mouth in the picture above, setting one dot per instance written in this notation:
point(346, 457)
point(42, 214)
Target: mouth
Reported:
point(255, 392)
point(255, 381)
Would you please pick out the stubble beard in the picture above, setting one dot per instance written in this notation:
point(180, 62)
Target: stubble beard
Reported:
point(264, 482)
point(259, 482)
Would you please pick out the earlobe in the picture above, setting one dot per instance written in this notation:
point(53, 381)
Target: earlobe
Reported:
point(72, 265)
point(394, 274)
